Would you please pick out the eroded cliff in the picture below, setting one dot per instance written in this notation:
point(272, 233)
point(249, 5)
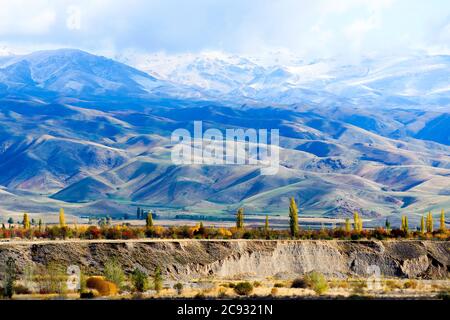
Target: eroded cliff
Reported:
point(190, 259)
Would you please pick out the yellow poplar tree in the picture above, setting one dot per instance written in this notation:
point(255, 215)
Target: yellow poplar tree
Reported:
point(405, 226)
point(26, 221)
point(442, 227)
point(357, 222)
point(430, 222)
point(293, 216)
point(62, 219)
point(422, 225)
point(347, 225)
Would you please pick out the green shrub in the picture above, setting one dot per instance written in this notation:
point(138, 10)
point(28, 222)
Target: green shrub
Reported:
point(317, 282)
point(179, 287)
point(113, 272)
point(243, 288)
point(140, 280)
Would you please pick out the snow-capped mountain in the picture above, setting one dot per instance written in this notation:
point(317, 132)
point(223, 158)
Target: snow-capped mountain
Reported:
point(75, 73)
point(394, 81)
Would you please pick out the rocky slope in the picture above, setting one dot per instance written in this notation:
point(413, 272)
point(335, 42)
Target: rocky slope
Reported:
point(190, 259)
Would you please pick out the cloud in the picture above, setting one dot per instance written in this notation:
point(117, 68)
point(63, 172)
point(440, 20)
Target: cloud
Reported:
point(25, 17)
point(312, 29)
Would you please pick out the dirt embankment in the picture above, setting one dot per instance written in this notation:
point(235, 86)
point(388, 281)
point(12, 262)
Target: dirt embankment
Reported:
point(189, 259)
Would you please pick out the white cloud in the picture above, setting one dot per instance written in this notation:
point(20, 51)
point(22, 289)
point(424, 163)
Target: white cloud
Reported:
point(25, 17)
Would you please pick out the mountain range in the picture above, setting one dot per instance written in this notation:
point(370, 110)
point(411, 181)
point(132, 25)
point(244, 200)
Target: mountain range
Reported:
point(92, 135)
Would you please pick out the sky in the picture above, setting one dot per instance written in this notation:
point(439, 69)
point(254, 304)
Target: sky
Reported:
point(306, 28)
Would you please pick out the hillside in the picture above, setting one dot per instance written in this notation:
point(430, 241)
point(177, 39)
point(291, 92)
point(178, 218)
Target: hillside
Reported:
point(86, 132)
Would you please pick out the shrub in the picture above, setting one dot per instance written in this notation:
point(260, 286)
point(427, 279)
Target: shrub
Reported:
point(113, 272)
point(243, 288)
point(157, 280)
point(392, 284)
point(278, 285)
point(179, 287)
point(317, 282)
point(410, 284)
point(140, 280)
point(52, 279)
point(256, 284)
point(299, 283)
point(104, 288)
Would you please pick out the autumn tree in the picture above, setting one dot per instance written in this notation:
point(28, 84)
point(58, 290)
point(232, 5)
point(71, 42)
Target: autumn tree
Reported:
point(240, 218)
point(430, 222)
point(26, 221)
point(422, 225)
point(357, 222)
point(442, 227)
point(149, 220)
point(405, 227)
point(347, 225)
point(62, 219)
point(293, 217)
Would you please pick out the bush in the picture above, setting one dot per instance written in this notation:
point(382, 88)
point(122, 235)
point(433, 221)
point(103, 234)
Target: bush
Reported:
point(410, 284)
point(278, 285)
point(179, 287)
point(299, 283)
point(113, 272)
point(104, 288)
point(140, 280)
point(317, 282)
point(256, 284)
point(243, 288)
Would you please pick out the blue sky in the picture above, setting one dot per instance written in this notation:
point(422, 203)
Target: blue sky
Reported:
point(313, 29)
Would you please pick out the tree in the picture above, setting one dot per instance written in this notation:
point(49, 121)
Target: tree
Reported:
point(357, 222)
point(26, 221)
point(266, 225)
point(442, 227)
point(347, 225)
point(422, 225)
point(430, 222)
point(62, 219)
point(10, 222)
point(113, 272)
point(157, 280)
point(405, 226)
point(293, 218)
point(149, 220)
point(9, 278)
point(240, 218)
point(387, 224)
